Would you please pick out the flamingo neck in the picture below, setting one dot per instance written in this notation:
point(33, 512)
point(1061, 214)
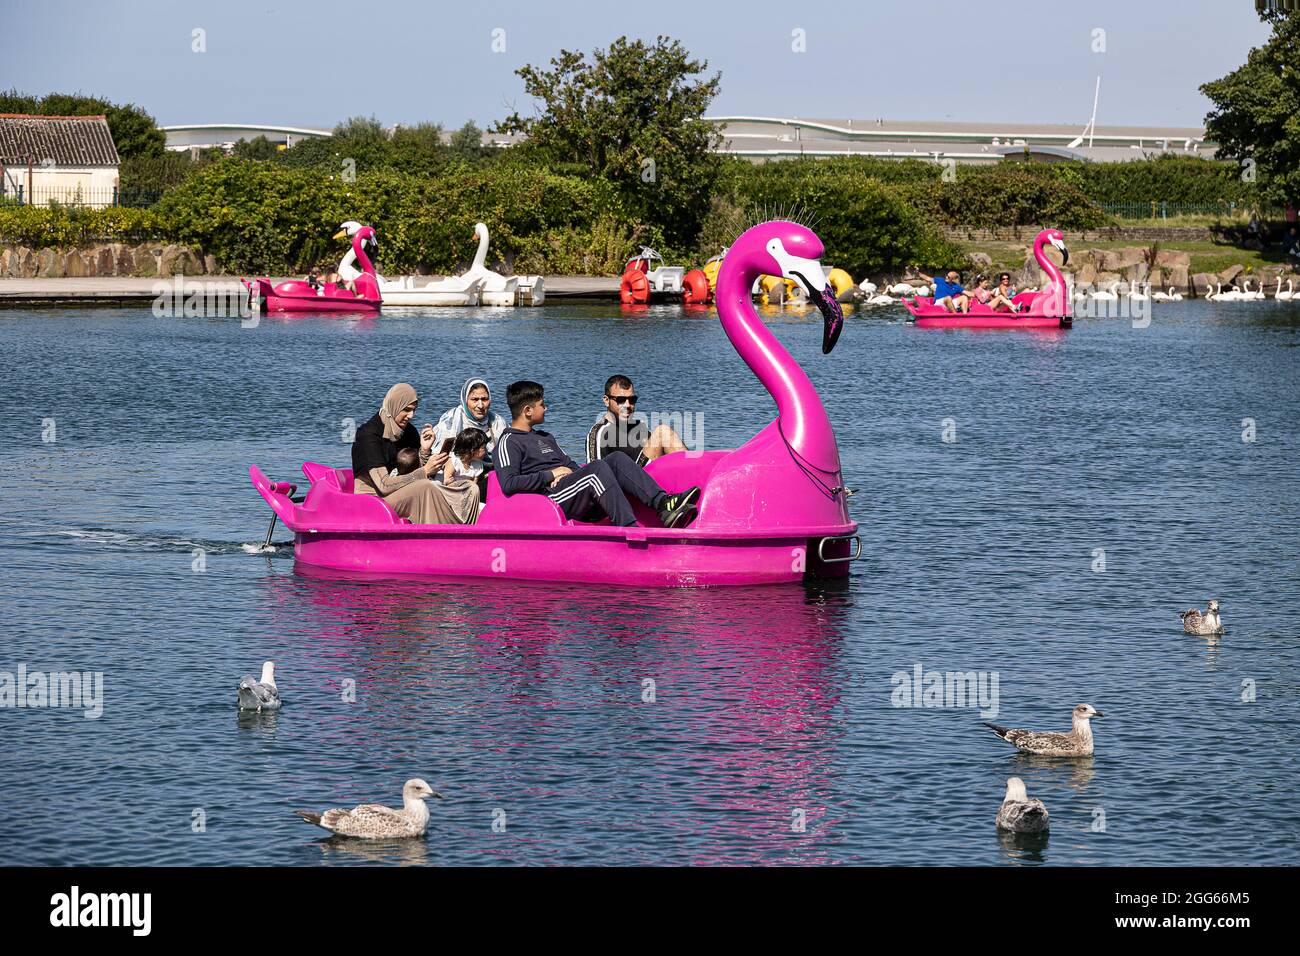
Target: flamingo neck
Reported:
point(804, 423)
point(1048, 266)
point(362, 258)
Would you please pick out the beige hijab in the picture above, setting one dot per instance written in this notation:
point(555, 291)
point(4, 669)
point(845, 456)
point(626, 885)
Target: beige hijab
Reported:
point(398, 397)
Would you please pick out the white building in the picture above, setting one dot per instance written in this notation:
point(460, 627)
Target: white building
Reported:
point(68, 159)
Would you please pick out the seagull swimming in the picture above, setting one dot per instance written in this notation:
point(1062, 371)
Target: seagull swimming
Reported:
point(373, 822)
point(260, 694)
point(1077, 743)
point(1019, 814)
point(1208, 622)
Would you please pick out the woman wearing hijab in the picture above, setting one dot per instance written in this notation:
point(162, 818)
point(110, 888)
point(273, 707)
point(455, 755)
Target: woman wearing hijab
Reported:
point(413, 495)
point(474, 411)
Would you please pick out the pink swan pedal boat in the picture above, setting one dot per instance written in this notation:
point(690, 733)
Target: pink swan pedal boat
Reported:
point(298, 296)
point(1045, 309)
point(773, 511)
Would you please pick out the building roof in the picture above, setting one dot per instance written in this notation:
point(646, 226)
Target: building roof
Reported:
point(61, 140)
point(760, 137)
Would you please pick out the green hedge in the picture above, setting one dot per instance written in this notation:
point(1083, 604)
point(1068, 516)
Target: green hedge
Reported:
point(39, 226)
point(261, 217)
point(864, 223)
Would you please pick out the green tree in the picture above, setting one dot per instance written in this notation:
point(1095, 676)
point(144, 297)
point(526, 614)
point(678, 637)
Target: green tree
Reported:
point(134, 131)
point(1256, 115)
point(258, 148)
point(632, 115)
point(467, 142)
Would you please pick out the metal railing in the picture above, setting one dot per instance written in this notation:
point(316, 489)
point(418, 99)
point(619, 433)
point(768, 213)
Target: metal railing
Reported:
point(1158, 209)
point(80, 196)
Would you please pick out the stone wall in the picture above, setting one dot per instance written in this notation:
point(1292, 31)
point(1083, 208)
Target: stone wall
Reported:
point(1102, 268)
point(104, 259)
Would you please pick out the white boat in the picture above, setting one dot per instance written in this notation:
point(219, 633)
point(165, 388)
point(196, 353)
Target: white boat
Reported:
point(498, 289)
point(453, 290)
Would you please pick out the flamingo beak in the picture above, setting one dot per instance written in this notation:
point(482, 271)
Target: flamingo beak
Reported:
point(832, 314)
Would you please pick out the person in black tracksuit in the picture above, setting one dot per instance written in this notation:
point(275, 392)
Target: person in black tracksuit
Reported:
point(529, 460)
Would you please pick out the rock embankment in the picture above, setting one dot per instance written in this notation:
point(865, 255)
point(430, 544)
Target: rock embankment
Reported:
point(104, 259)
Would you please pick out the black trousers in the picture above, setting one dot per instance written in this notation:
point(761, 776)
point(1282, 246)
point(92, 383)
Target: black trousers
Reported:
point(600, 487)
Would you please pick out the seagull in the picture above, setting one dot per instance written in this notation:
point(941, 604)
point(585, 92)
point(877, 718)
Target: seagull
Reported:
point(1077, 743)
point(1196, 622)
point(1019, 814)
point(260, 694)
point(373, 822)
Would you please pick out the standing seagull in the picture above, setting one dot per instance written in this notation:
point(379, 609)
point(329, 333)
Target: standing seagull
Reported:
point(1077, 743)
point(373, 822)
point(1019, 814)
point(260, 694)
point(1195, 622)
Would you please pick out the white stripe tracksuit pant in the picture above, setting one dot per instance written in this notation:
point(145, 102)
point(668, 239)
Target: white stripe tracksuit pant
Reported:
point(601, 486)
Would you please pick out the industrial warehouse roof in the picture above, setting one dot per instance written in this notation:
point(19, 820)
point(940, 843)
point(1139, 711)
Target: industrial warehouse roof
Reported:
point(770, 137)
point(761, 138)
point(61, 140)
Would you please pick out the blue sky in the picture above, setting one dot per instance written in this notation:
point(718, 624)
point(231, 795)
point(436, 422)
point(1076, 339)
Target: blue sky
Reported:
point(312, 64)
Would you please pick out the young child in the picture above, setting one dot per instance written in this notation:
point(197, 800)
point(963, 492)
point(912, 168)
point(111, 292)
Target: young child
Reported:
point(408, 459)
point(467, 454)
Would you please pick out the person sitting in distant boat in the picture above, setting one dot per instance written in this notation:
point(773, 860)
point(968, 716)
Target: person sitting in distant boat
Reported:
point(981, 292)
point(474, 411)
point(413, 495)
point(337, 280)
point(948, 291)
point(619, 428)
point(313, 280)
point(1000, 300)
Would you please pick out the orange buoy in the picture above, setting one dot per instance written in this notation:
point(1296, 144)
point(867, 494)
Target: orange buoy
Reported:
point(634, 287)
point(695, 287)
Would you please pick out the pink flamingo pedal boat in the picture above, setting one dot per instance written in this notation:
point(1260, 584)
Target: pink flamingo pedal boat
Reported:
point(772, 511)
point(1048, 308)
point(298, 296)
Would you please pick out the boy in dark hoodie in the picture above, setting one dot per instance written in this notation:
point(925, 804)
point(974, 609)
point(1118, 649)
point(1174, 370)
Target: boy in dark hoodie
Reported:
point(529, 460)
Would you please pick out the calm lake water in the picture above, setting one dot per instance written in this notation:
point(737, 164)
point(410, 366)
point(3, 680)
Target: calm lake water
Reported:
point(524, 704)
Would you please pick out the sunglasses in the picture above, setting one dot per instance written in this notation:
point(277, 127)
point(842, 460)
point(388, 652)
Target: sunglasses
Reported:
point(622, 399)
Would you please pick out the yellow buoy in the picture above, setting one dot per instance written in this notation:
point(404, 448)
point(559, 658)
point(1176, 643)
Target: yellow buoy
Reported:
point(840, 281)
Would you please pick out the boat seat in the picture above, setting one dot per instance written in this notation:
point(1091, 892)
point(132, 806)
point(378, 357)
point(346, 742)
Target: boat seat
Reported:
point(526, 510)
point(327, 482)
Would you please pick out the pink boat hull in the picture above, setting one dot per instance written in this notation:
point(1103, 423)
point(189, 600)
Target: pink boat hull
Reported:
point(297, 296)
point(1048, 309)
point(931, 316)
point(526, 537)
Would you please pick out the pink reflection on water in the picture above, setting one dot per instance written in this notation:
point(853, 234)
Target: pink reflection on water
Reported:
point(746, 682)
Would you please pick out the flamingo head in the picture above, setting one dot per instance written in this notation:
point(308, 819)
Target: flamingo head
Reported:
point(793, 251)
point(1056, 238)
point(353, 229)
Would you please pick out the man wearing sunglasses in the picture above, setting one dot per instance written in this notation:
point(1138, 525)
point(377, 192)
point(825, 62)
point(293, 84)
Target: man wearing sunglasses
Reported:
point(620, 428)
point(530, 461)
